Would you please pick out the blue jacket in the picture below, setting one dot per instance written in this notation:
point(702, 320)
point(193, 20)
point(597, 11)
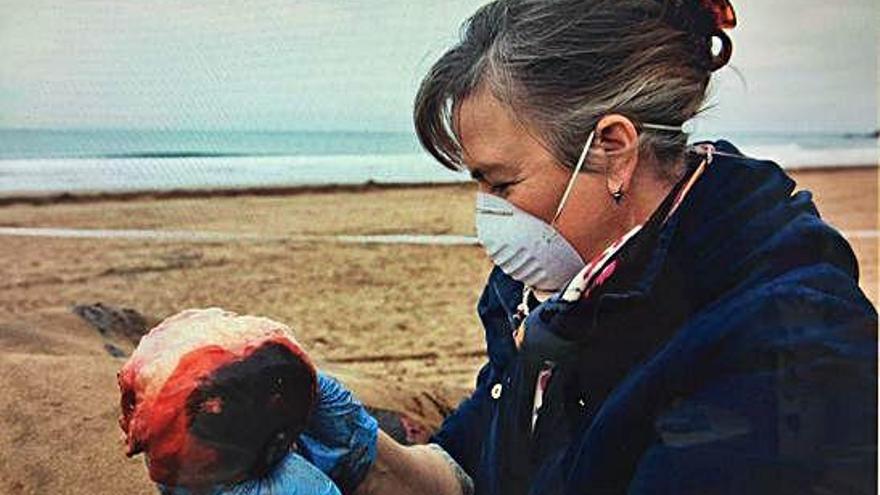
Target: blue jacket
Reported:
point(737, 355)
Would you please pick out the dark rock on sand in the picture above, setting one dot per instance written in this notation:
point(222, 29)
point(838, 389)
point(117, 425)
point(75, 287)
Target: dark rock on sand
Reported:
point(114, 351)
point(110, 321)
point(120, 327)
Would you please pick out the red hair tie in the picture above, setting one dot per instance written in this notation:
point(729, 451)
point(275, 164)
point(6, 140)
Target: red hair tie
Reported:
point(722, 12)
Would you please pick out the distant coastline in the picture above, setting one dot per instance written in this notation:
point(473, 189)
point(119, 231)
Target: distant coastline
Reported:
point(38, 198)
point(862, 135)
point(120, 163)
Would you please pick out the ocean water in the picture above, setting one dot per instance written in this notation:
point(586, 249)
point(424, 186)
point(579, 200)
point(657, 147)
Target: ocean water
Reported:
point(40, 161)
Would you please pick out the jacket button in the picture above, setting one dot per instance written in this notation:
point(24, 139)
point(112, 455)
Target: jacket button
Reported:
point(496, 391)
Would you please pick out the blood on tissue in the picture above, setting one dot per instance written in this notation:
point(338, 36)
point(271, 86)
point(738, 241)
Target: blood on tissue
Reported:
point(158, 425)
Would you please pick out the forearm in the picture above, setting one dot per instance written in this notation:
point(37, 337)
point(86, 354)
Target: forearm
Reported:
point(417, 469)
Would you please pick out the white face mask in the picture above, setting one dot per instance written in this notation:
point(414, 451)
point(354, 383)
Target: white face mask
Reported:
point(524, 246)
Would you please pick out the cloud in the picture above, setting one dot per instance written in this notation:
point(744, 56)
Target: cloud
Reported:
point(347, 64)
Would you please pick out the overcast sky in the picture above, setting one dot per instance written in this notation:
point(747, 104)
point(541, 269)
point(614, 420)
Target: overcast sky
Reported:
point(808, 65)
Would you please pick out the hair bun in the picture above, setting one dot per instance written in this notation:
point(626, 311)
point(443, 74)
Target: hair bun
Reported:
point(722, 13)
point(724, 17)
point(703, 17)
point(707, 19)
point(720, 59)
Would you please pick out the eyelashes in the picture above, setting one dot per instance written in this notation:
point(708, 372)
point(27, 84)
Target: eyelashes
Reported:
point(501, 188)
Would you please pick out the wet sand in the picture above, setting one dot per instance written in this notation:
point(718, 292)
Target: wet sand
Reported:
point(400, 314)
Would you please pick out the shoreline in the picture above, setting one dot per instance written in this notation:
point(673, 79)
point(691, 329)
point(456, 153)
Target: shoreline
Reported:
point(37, 198)
point(51, 198)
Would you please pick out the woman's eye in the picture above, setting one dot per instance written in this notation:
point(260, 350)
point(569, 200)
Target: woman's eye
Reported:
point(500, 188)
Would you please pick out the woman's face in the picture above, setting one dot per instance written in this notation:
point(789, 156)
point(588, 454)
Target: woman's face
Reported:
point(507, 160)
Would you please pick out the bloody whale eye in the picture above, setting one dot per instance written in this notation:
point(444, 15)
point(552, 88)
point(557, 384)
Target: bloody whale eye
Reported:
point(212, 405)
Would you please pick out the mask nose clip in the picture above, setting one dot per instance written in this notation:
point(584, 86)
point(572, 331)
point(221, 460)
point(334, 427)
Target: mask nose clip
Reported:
point(487, 210)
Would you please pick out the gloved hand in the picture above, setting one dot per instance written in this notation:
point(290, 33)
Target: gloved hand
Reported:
point(340, 438)
point(292, 476)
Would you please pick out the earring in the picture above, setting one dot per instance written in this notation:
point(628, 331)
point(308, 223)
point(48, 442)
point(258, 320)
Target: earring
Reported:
point(617, 195)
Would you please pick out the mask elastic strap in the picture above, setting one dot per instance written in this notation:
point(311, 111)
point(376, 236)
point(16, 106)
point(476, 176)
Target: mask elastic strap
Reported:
point(663, 127)
point(577, 170)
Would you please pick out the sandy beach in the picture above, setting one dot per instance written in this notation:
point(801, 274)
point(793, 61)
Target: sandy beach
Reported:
point(402, 315)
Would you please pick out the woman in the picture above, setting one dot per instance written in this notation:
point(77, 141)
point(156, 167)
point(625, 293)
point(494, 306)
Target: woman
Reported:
point(662, 318)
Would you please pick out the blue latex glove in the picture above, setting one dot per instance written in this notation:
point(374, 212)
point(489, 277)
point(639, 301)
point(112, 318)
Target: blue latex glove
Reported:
point(292, 476)
point(340, 438)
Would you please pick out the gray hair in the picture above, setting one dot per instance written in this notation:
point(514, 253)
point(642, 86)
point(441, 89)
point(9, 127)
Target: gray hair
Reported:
point(561, 65)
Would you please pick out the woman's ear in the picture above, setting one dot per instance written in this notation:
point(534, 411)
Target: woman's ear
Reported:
point(617, 146)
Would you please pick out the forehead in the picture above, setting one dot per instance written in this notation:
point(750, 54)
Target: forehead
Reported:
point(489, 132)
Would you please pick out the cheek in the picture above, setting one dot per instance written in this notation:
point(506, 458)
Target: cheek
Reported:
point(589, 220)
point(539, 195)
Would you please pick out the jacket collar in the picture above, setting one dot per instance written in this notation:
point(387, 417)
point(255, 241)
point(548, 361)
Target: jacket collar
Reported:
point(738, 222)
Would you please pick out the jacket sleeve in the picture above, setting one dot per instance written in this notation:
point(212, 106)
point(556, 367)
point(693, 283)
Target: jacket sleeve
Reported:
point(794, 410)
point(463, 433)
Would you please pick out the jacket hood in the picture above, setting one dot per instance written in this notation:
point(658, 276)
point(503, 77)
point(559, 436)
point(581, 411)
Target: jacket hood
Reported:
point(741, 223)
